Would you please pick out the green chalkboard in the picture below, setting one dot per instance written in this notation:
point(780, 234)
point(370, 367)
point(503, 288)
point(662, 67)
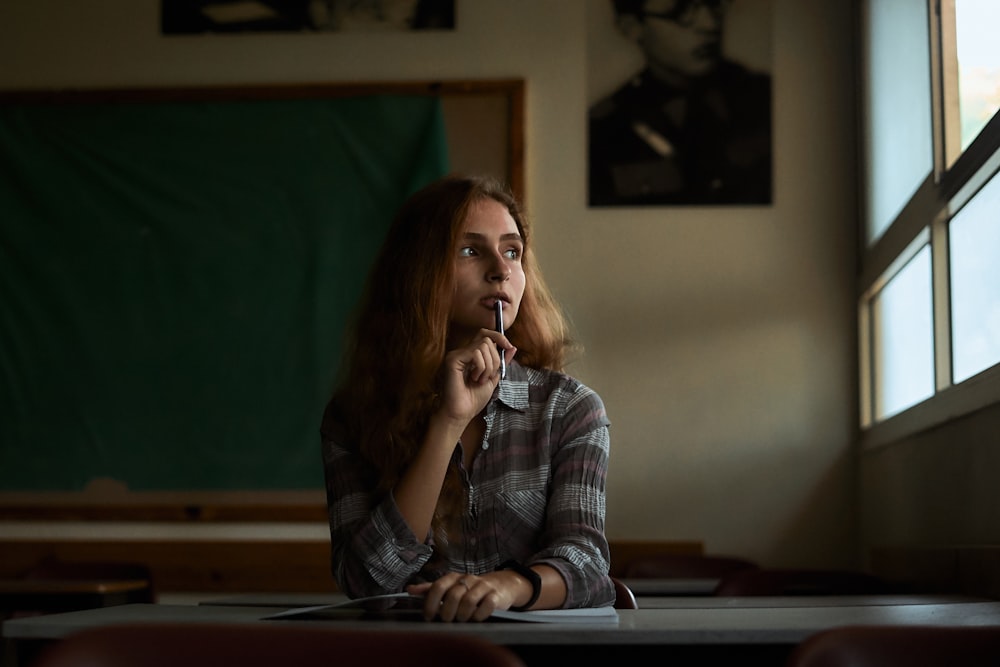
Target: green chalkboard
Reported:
point(175, 276)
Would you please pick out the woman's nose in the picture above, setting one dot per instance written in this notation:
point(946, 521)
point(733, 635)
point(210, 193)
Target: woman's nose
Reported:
point(499, 270)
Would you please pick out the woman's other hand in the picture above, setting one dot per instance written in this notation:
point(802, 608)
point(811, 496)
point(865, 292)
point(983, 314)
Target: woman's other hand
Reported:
point(456, 597)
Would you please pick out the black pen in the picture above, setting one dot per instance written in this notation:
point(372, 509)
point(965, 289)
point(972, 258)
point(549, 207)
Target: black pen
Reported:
point(498, 307)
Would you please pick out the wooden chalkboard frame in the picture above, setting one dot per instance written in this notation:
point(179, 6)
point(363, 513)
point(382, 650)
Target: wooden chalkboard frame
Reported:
point(114, 504)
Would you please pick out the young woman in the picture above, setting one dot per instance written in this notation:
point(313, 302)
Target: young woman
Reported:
point(446, 478)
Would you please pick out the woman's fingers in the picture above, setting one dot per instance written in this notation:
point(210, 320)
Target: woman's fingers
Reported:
point(472, 373)
point(457, 597)
point(480, 361)
point(450, 598)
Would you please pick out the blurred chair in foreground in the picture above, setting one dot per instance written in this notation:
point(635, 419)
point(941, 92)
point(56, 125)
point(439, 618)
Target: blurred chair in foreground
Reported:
point(624, 597)
point(899, 645)
point(685, 566)
point(765, 581)
point(256, 645)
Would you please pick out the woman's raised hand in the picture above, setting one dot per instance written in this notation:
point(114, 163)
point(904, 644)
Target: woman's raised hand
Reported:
point(471, 373)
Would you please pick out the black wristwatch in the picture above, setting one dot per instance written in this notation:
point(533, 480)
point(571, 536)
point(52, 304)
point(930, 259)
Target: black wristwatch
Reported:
point(530, 575)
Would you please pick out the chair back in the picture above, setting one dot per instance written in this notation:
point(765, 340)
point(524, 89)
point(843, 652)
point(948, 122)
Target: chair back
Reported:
point(685, 566)
point(624, 597)
point(52, 569)
point(257, 645)
point(766, 581)
point(892, 646)
point(53, 586)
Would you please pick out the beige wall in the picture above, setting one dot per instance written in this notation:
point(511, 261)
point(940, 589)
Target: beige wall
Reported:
point(935, 488)
point(931, 506)
point(722, 339)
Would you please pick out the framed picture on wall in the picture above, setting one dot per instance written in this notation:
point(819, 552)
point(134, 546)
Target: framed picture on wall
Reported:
point(185, 17)
point(679, 95)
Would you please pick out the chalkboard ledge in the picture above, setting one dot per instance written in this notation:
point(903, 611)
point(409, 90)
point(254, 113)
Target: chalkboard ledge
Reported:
point(173, 506)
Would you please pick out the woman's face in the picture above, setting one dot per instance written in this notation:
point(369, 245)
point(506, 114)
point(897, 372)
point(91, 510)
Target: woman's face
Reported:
point(487, 268)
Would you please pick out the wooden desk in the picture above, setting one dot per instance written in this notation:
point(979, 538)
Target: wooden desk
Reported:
point(55, 595)
point(642, 588)
point(283, 600)
point(671, 586)
point(756, 635)
point(792, 601)
point(290, 600)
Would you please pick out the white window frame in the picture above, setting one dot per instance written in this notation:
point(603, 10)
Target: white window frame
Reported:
point(925, 218)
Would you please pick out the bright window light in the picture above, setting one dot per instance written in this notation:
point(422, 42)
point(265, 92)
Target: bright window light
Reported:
point(974, 255)
point(903, 342)
point(978, 55)
point(899, 147)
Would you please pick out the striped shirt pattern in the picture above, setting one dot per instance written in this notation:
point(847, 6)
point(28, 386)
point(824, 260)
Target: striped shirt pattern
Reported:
point(536, 494)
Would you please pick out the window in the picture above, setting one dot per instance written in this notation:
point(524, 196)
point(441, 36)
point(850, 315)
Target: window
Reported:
point(975, 283)
point(970, 62)
point(903, 341)
point(900, 150)
point(929, 293)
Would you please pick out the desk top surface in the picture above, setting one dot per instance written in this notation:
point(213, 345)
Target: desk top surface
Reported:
point(22, 587)
point(672, 586)
point(792, 601)
point(713, 625)
point(289, 600)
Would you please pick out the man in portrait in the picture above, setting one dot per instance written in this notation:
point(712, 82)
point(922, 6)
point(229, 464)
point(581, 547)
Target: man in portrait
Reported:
point(692, 126)
point(245, 16)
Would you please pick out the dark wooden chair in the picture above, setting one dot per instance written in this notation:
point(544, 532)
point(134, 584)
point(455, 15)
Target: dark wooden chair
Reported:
point(899, 645)
point(53, 569)
point(624, 597)
point(685, 566)
point(768, 581)
point(256, 645)
point(54, 585)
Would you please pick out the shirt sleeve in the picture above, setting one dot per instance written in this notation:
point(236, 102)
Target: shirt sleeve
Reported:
point(575, 543)
point(373, 550)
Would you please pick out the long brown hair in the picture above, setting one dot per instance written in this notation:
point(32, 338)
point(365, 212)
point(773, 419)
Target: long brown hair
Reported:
point(388, 385)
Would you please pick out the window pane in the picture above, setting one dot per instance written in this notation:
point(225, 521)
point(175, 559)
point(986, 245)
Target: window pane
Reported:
point(899, 127)
point(974, 249)
point(976, 24)
point(903, 340)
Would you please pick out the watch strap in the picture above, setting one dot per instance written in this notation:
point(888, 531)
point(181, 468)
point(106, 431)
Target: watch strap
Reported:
point(533, 578)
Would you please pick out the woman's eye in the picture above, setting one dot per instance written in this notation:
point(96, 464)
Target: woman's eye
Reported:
point(466, 252)
point(513, 253)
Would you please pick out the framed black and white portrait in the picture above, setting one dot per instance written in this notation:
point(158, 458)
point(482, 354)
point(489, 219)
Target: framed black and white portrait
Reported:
point(185, 17)
point(679, 103)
